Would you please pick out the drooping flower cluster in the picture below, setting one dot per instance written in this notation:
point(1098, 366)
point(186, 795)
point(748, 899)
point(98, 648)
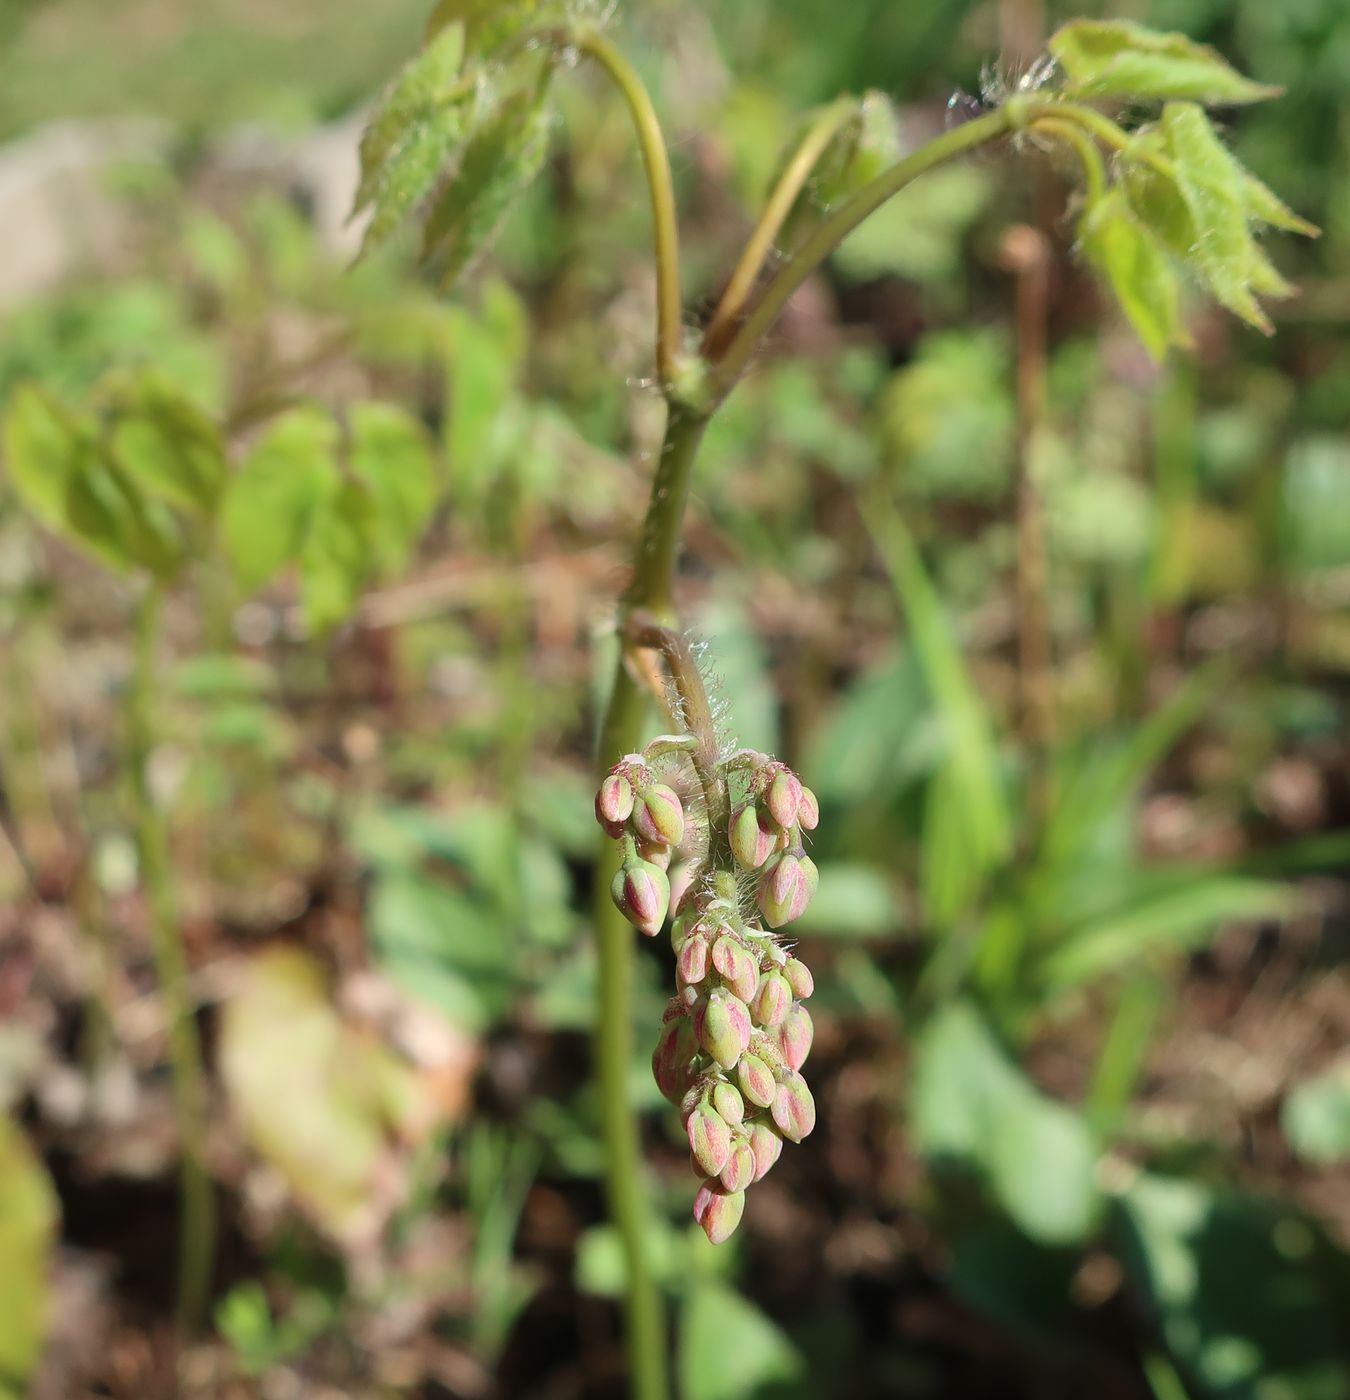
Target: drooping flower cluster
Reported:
point(735, 1035)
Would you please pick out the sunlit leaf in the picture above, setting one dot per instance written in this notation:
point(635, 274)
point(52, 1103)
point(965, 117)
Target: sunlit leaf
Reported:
point(728, 1348)
point(1137, 268)
point(1316, 1116)
point(501, 158)
point(274, 499)
point(1115, 58)
point(339, 555)
point(169, 447)
point(391, 455)
point(28, 1213)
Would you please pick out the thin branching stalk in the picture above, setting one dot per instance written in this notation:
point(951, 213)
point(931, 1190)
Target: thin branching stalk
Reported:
point(197, 1214)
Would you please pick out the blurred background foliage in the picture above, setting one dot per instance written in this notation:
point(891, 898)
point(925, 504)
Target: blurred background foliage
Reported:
point(1081, 931)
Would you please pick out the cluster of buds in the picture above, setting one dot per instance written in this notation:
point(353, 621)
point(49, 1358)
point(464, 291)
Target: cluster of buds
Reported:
point(735, 1035)
point(647, 816)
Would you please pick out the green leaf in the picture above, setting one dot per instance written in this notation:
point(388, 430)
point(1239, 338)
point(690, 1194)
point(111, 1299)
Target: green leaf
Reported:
point(169, 447)
point(338, 557)
point(1179, 918)
point(28, 1216)
point(728, 1349)
point(271, 504)
point(63, 475)
point(1266, 207)
point(1316, 1116)
point(391, 455)
point(413, 134)
point(1250, 1294)
point(1211, 185)
point(491, 24)
point(1137, 268)
point(501, 159)
point(1115, 58)
point(971, 1104)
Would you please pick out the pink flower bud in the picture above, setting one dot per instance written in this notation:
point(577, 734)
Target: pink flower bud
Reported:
point(658, 816)
point(794, 1110)
point(784, 798)
point(739, 1171)
point(681, 882)
point(671, 1060)
point(709, 1139)
point(767, 1146)
point(718, 1212)
point(723, 1026)
point(724, 955)
point(756, 1080)
point(799, 977)
point(787, 887)
point(641, 892)
point(691, 967)
point(808, 811)
point(795, 1036)
point(727, 1101)
point(655, 854)
point(751, 842)
point(614, 803)
point(773, 1000)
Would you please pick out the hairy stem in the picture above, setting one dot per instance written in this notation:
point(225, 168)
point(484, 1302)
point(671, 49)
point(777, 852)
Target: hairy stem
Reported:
point(197, 1207)
point(760, 243)
point(834, 229)
point(656, 163)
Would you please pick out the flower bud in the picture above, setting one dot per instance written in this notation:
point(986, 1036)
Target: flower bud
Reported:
point(756, 1080)
point(681, 882)
point(709, 1138)
point(784, 798)
point(691, 967)
point(654, 853)
point(751, 843)
point(808, 810)
point(718, 1212)
point(658, 816)
point(723, 1026)
point(727, 1101)
point(795, 1036)
point(767, 1146)
point(739, 1171)
point(773, 1000)
point(737, 966)
point(614, 803)
point(641, 892)
point(794, 1110)
point(787, 887)
point(799, 977)
point(671, 1058)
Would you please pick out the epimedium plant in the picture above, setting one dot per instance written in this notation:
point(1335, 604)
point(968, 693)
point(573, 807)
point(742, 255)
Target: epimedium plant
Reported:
point(460, 132)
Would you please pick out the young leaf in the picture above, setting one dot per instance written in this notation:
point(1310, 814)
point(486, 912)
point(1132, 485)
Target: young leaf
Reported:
point(864, 147)
point(1264, 206)
point(491, 24)
point(338, 556)
point(169, 447)
point(391, 456)
point(412, 135)
point(1138, 269)
point(1211, 185)
point(272, 502)
point(1115, 58)
point(500, 160)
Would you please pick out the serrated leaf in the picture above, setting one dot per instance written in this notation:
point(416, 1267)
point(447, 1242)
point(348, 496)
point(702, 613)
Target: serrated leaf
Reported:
point(270, 504)
point(1210, 183)
point(338, 556)
point(491, 24)
point(1115, 58)
point(391, 455)
point(1137, 268)
point(1266, 207)
point(169, 447)
point(500, 160)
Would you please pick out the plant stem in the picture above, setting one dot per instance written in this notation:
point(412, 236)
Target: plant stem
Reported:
point(197, 1237)
point(656, 163)
point(834, 229)
point(649, 593)
point(760, 243)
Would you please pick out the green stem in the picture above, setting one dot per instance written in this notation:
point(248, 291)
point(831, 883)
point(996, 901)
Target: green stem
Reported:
point(656, 162)
point(621, 732)
point(837, 227)
point(760, 243)
point(197, 1238)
